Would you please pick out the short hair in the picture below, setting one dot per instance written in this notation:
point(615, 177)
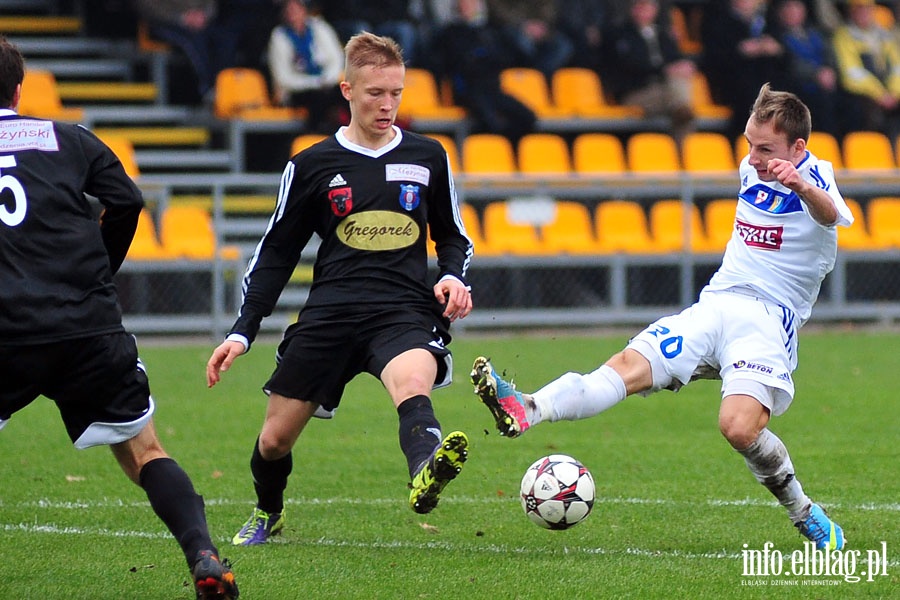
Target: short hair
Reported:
point(785, 110)
point(12, 71)
point(369, 50)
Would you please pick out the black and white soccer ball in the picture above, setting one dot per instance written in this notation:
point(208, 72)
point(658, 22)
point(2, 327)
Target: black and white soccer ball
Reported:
point(557, 492)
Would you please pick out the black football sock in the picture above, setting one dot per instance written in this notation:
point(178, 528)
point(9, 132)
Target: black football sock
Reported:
point(420, 431)
point(174, 500)
point(270, 479)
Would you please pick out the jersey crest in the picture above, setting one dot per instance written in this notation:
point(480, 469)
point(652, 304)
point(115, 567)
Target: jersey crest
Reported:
point(341, 201)
point(409, 197)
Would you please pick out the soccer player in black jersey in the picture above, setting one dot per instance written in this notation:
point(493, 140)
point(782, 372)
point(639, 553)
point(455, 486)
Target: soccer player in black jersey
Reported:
point(61, 332)
point(372, 193)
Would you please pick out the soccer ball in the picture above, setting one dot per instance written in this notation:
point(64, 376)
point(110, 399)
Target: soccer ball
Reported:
point(557, 492)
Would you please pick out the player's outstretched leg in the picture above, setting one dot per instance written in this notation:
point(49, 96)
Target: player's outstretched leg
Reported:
point(259, 528)
point(506, 404)
point(434, 474)
point(818, 528)
point(213, 579)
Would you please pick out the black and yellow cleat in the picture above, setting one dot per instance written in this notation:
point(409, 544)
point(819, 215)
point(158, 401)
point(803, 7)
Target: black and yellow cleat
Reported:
point(440, 469)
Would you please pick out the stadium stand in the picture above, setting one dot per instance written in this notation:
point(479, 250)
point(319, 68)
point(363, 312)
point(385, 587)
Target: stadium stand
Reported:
point(652, 152)
point(867, 151)
point(883, 215)
point(621, 227)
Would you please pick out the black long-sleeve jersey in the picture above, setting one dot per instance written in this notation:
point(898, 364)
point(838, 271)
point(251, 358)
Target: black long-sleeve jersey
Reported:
point(56, 260)
point(372, 210)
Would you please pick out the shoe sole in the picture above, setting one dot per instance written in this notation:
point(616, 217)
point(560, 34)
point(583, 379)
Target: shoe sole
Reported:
point(486, 390)
point(448, 462)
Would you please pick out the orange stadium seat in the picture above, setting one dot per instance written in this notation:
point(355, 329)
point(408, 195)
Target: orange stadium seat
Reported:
point(124, 151)
point(667, 227)
point(543, 154)
point(825, 146)
point(421, 98)
point(598, 154)
point(621, 226)
point(855, 237)
point(304, 141)
point(580, 91)
point(145, 245)
point(867, 151)
point(702, 100)
point(707, 152)
point(652, 152)
point(450, 146)
point(40, 98)
point(242, 93)
point(507, 234)
point(488, 154)
point(571, 230)
point(718, 216)
point(884, 221)
point(530, 87)
point(187, 231)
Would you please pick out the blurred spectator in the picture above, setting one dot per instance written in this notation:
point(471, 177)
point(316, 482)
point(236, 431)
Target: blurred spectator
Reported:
point(306, 61)
point(811, 70)
point(472, 53)
point(391, 18)
point(868, 60)
point(191, 27)
point(248, 24)
point(647, 69)
point(583, 22)
point(739, 55)
point(430, 17)
point(531, 27)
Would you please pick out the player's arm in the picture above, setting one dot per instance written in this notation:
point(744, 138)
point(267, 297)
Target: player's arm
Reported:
point(818, 201)
point(277, 254)
point(453, 247)
point(121, 199)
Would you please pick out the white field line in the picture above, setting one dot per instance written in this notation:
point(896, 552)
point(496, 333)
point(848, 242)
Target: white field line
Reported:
point(49, 528)
point(118, 503)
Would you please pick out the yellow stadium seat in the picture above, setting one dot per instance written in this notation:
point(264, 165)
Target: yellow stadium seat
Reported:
point(741, 149)
point(488, 154)
point(530, 87)
point(702, 101)
point(667, 227)
point(145, 245)
point(421, 98)
point(124, 151)
point(507, 235)
point(855, 237)
point(707, 152)
point(544, 154)
point(867, 151)
point(718, 216)
point(40, 98)
point(187, 232)
point(652, 152)
point(472, 223)
point(242, 93)
point(686, 43)
point(580, 91)
point(304, 141)
point(450, 146)
point(598, 154)
point(884, 221)
point(571, 230)
point(826, 147)
point(621, 226)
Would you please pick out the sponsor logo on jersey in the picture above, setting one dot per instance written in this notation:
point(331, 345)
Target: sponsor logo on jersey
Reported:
point(409, 196)
point(751, 366)
point(759, 236)
point(341, 201)
point(337, 180)
point(378, 230)
point(27, 135)
point(403, 172)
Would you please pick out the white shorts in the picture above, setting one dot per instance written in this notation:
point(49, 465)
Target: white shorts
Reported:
point(726, 334)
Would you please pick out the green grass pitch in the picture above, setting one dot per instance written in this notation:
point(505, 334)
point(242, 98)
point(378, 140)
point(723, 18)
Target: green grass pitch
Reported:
point(676, 505)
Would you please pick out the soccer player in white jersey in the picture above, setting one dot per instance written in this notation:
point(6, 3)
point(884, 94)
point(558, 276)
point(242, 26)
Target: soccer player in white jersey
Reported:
point(743, 328)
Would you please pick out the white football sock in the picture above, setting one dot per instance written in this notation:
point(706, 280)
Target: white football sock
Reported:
point(770, 463)
point(575, 396)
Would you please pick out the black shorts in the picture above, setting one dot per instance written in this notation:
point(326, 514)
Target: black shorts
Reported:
point(98, 384)
point(326, 348)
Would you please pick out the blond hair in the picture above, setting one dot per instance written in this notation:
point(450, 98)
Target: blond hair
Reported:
point(785, 111)
point(369, 50)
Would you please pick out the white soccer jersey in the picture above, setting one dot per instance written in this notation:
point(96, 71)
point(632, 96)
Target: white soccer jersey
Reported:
point(777, 249)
